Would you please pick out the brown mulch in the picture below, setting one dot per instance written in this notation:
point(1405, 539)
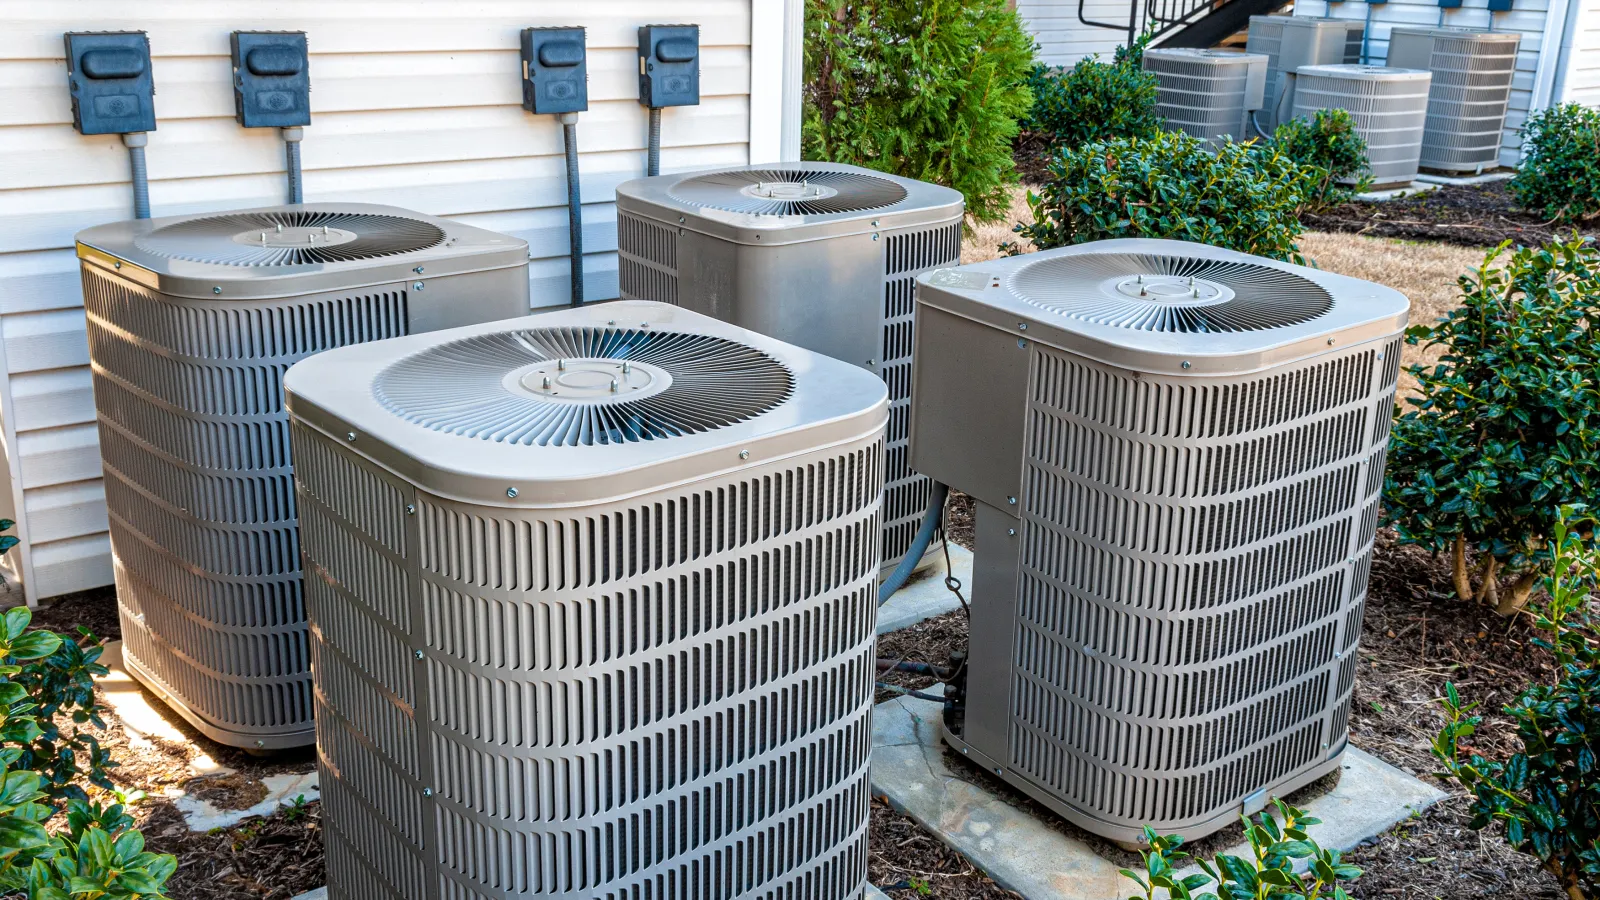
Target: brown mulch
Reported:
point(263, 858)
point(1031, 152)
point(1481, 215)
point(95, 610)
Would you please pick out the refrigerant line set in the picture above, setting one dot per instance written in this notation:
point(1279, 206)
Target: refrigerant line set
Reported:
point(584, 602)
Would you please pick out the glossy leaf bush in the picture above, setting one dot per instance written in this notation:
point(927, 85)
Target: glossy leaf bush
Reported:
point(1545, 799)
point(926, 89)
point(1560, 171)
point(1175, 186)
point(1094, 100)
point(1330, 143)
point(1507, 427)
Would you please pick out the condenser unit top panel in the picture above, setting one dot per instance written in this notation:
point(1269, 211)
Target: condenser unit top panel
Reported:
point(581, 405)
point(1459, 32)
point(1362, 72)
point(789, 202)
point(280, 251)
point(1168, 307)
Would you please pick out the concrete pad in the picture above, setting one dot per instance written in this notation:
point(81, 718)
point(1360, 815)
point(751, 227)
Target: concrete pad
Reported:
point(1408, 190)
point(925, 595)
point(143, 717)
point(1484, 178)
point(1022, 852)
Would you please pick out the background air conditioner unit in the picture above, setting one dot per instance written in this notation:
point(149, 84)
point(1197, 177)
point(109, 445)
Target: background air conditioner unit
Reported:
point(1290, 42)
point(1471, 88)
point(815, 254)
point(1389, 106)
point(593, 596)
point(192, 322)
point(1208, 93)
point(1177, 469)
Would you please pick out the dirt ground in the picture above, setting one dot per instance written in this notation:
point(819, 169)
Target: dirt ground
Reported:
point(1473, 215)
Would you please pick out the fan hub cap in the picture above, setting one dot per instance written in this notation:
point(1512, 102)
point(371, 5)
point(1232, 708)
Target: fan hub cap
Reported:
point(591, 380)
point(295, 237)
point(1174, 290)
point(789, 190)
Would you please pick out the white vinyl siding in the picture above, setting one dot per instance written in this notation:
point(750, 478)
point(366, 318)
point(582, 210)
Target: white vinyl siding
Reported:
point(1580, 80)
point(1528, 18)
point(1062, 39)
point(415, 103)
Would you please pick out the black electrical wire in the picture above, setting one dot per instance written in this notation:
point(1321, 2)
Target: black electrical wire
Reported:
point(919, 545)
point(882, 685)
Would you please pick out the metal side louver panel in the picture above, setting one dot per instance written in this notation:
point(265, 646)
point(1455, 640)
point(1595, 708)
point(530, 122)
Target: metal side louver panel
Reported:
point(1389, 106)
point(660, 692)
point(1471, 89)
point(1207, 94)
point(853, 283)
point(190, 334)
point(1290, 42)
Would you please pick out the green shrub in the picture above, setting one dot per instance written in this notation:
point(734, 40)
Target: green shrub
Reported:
point(1560, 171)
point(1277, 848)
point(1330, 143)
point(1173, 186)
point(1507, 427)
point(926, 89)
point(1094, 101)
point(98, 852)
point(1546, 798)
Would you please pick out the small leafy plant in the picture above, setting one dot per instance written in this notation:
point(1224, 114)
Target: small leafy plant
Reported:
point(927, 89)
point(1560, 171)
point(1172, 185)
point(1507, 427)
point(1329, 143)
point(1546, 798)
point(1278, 849)
point(1094, 100)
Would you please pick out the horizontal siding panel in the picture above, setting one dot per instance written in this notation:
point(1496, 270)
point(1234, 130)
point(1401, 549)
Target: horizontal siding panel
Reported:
point(54, 398)
point(38, 281)
point(59, 455)
point(45, 340)
point(75, 564)
point(65, 511)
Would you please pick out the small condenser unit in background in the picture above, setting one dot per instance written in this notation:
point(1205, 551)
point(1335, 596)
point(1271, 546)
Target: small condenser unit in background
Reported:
point(593, 596)
point(1290, 42)
point(816, 254)
point(1177, 453)
point(1389, 106)
point(1471, 88)
point(192, 322)
point(1209, 94)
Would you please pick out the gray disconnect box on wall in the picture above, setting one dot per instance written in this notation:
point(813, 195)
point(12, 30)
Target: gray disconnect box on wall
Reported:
point(669, 65)
point(271, 79)
point(555, 71)
point(109, 76)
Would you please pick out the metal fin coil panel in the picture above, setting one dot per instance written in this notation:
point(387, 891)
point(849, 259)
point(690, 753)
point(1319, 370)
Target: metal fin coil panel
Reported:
point(1389, 106)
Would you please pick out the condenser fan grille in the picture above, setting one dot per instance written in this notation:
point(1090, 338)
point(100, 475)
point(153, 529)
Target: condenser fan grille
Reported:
point(788, 192)
point(1147, 292)
point(290, 238)
point(583, 386)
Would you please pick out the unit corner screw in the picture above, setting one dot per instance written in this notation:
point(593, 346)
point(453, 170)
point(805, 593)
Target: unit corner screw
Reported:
point(411, 509)
point(744, 454)
point(1330, 342)
point(261, 743)
point(417, 653)
point(417, 270)
point(216, 290)
point(1023, 343)
point(511, 492)
point(874, 236)
point(1011, 531)
point(350, 435)
point(1187, 364)
point(1022, 326)
point(416, 285)
point(116, 265)
point(1012, 501)
point(427, 792)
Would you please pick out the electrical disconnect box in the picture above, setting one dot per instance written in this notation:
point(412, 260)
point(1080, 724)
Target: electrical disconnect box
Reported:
point(271, 79)
point(555, 71)
point(669, 65)
point(108, 74)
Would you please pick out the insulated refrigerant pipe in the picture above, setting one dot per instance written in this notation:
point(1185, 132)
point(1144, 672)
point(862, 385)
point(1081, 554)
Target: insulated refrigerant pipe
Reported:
point(652, 166)
point(919, 544)
point(135, 141)
point(569, 136)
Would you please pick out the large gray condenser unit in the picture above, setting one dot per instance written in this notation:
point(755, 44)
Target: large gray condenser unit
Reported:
point(1471, 89)
point(820, 255)
point(1389, 107)
point(192, 322)
point(1290, 42)
point(1176, 453)
point(1208, 94)
point(593, 596)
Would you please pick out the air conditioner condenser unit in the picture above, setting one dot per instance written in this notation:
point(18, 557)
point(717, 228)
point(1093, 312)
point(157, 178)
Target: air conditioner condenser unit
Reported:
point(593, 597)
point(1468, 97)
point(1389, 107)
point(816, 254)
point(1177, 455)
point(192, 322)
point(1290, 42)
point(1209, 94)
